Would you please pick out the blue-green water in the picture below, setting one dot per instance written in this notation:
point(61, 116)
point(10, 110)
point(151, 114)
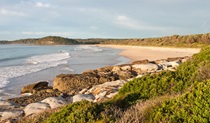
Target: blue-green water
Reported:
point(22, 64)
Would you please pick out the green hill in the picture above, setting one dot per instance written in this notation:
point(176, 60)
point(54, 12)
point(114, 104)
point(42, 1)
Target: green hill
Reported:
point(55, 40)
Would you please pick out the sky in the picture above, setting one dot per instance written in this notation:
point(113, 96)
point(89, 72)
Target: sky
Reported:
point(21, 19)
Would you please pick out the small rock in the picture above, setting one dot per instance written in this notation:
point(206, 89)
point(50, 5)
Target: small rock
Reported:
point(83, 91)
point(55, 102)
point(34, 108)
point(11, 114)
point(80, 97)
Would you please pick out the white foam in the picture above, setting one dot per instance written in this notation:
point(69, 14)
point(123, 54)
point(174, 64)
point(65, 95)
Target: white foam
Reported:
point(48, 58)
point(35, 64)
point(88, 48)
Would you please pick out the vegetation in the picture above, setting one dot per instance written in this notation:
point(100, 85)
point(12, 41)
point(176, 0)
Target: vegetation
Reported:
point(197, 40)
point(180, 96)
point(55, 40)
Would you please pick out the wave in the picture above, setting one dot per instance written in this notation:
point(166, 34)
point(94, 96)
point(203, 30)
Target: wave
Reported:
point(88, 48)
point(33, 64)
point(11, 59)
point(48, 58)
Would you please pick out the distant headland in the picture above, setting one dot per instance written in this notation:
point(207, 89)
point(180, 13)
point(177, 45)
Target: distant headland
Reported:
point(195, 40)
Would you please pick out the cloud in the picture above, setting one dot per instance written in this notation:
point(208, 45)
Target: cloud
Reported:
point(10, 12)
point(129, 23)
point(42, 5)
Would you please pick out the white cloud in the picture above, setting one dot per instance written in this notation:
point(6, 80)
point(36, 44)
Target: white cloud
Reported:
point(10, 12)
point(42, 5)
point(129, 23)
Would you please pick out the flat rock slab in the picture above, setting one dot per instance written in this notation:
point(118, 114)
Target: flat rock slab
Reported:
point(34, 108)
point(80, 97)
point(7, 105)
point(11, 114)
point(146, 67)
point(55, 102)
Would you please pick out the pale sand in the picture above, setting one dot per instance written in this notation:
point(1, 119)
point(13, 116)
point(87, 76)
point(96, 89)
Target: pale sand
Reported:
point(152, 53)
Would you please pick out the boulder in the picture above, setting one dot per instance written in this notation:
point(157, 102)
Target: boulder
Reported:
point(11, 114)
point(34, 87)
point(80, 97)
point(145, 67)
point(55, 102)
point(35, 108)
point(73, 83)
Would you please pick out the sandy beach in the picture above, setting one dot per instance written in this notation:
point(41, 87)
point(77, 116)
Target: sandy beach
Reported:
point(152, 53)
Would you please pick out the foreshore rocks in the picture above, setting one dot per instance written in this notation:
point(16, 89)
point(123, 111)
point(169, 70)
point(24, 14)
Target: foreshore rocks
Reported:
point(92, 85)
point(73, 83)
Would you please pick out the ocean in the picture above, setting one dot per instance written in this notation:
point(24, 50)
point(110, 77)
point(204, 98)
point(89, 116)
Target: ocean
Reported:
point(21, 65)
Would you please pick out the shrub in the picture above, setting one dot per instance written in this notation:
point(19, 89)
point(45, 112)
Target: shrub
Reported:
point(193, 106)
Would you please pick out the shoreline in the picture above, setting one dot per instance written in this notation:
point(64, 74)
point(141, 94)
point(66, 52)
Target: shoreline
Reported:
point(135, 53)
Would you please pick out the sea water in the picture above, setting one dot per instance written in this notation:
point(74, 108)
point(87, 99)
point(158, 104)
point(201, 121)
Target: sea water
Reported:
point(21, 65)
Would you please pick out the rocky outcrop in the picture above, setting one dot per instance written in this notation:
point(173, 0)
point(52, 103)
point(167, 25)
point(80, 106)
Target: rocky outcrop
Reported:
point(40, 95)
point(73, 83)
point(33, 88)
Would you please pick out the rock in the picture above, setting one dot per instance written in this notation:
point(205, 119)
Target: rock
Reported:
point(126, 68)
point(145, 61)
point(105, 69)
point(55, 102)
point(35, 108)
point(80, 97)
point(83, 91)
point(11, 114)
point(39, 96)
point(7, 105)
point(116, 69)
point(145, 67)
point(73, 83)
point(125, 75)
point(161, 61)
point(34, 87)
point(171, 64)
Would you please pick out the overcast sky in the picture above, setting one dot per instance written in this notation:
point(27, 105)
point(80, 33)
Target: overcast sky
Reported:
point(102, 18)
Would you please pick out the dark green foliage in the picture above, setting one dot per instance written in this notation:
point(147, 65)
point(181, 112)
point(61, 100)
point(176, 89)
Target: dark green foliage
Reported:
point(79, 112)
point(193, 106)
